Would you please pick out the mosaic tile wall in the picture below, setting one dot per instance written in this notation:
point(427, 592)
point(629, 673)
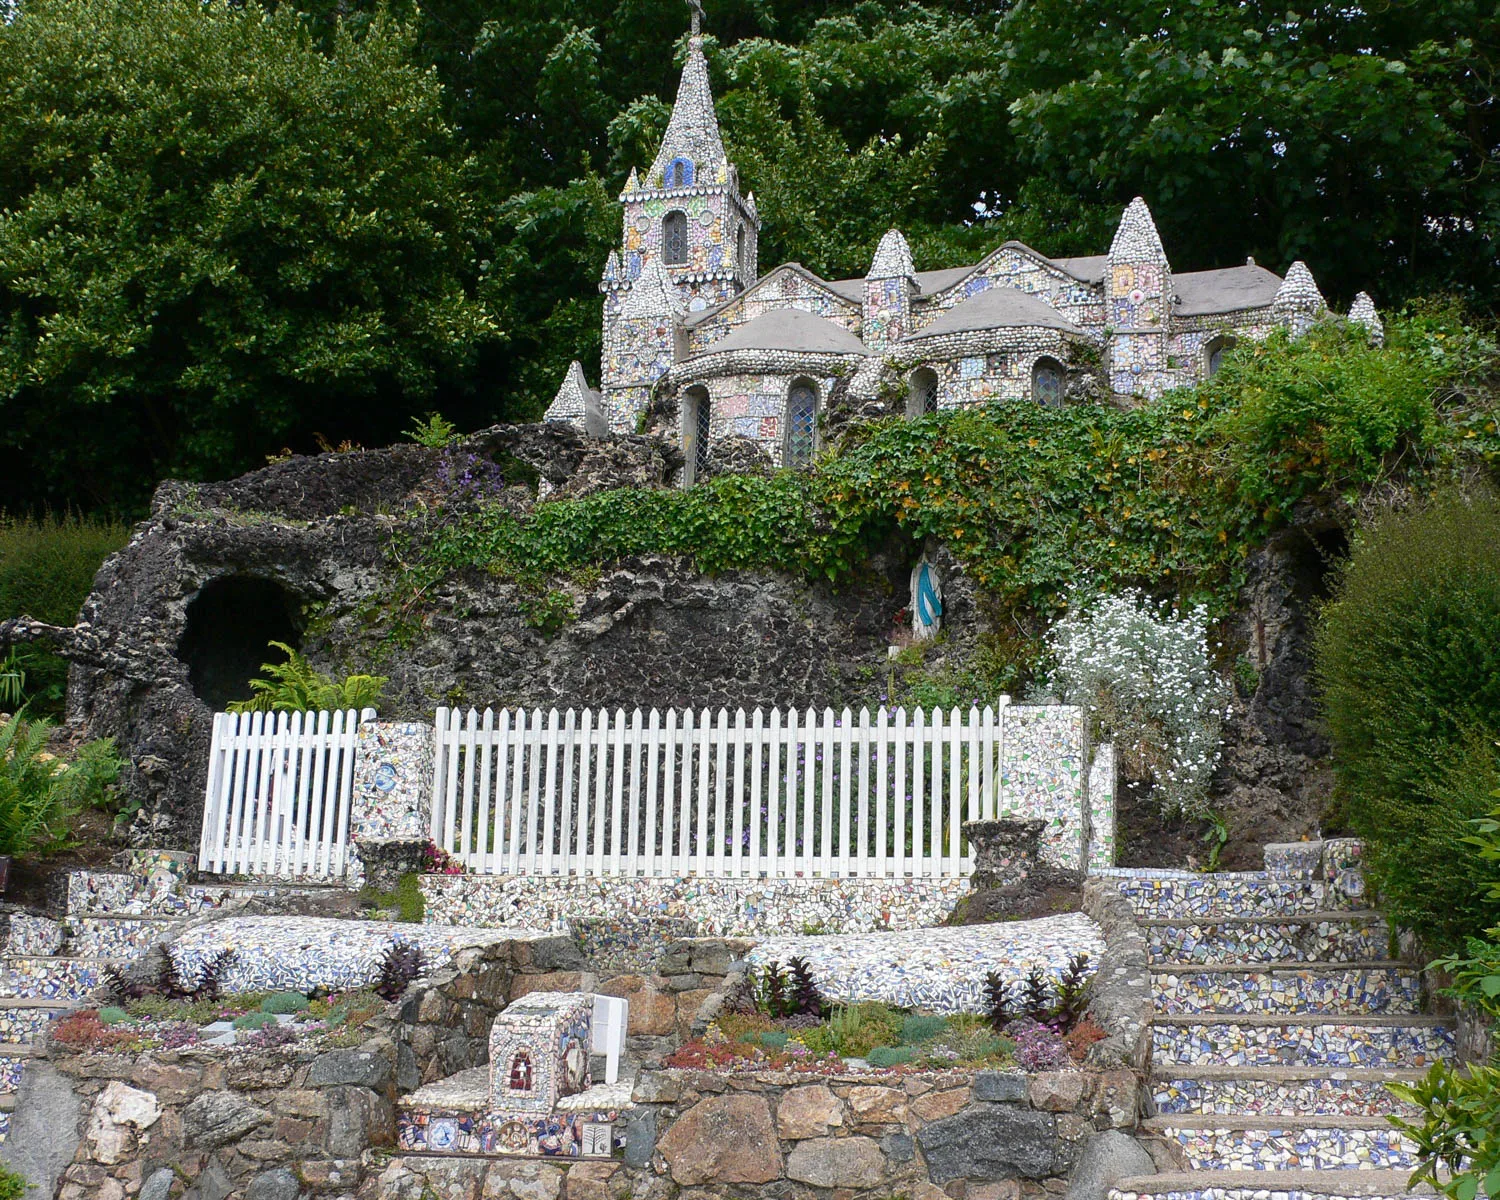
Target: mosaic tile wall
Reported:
point(754, 406)
point(785, 287)
point(942, 970)
point(1012, 267)
point(48, 979)
point(716, 907)
point(551, 1135)
point(995, 366)
point(1101, 837)
point(1321, 1095)
point(539, 1051)
point(1041, 775)
point(392, 782)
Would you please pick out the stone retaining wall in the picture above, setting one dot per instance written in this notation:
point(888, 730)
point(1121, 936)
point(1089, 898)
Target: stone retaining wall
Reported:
point(208, 1123)
point(954, 1136)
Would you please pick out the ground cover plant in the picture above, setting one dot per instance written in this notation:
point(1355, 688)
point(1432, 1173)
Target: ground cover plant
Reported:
point(154, 1020)
point(776, 1019)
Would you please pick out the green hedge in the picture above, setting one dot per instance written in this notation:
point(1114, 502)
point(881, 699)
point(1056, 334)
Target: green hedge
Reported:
point(47, 567)
point(1408, 665)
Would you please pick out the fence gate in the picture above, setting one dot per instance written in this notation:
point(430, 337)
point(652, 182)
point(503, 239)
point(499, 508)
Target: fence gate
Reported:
point(714, 794)
point(279, 792)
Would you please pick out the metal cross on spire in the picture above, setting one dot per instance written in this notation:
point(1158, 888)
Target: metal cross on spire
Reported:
point(697, 7)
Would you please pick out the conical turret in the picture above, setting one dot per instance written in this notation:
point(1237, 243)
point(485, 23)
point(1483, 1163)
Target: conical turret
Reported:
point(1298, 302)
point(693, 131)
point(1362, 312)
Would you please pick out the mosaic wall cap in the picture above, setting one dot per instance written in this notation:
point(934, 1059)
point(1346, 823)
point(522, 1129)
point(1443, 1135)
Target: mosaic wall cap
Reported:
point(1298, 291)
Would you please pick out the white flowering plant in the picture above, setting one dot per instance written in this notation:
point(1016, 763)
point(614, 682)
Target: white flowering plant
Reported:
point(1143, 671)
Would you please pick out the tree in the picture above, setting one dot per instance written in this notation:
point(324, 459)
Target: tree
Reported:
point(215, 237)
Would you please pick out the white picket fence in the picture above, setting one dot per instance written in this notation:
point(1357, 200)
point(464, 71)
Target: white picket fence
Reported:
point(279, 793)
point(697, 793)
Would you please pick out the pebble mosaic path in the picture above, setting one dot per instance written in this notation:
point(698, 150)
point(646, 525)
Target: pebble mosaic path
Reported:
point(1279, 1021)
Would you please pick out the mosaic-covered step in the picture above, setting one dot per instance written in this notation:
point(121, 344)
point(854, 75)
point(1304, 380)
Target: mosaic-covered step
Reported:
point(49, 978)
point(4, 1127)
point(12, 1063)
point(115, 937)
point(1269, 1041)
point(91, 892)
point(1281, 1091)
point(21, 1021)
point(1317, 937)
point(1284, 1185)
point(1301, 1041)
point(1275, 1144)
point(1294, 858)
point(455, 1116)
point(1231, 894)
point(1303, 988)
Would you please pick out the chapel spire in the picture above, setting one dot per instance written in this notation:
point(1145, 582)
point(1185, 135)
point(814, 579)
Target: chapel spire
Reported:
point(693, 132)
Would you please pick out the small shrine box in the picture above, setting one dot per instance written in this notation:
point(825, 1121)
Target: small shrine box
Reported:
point(539, 1050)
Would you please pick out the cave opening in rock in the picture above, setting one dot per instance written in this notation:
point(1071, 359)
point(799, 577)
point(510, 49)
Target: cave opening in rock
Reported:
point(226, 636)
point(1315, 559)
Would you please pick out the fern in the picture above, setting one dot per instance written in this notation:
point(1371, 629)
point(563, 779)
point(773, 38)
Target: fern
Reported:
point(297, 686)
point(35, 800)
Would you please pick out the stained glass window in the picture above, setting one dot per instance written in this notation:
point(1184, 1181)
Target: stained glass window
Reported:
point(801, 424)
point(674, 239)
point(1047, 382)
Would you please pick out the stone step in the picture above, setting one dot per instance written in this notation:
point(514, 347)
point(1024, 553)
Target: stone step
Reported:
point(22, 1020)
point(1301, 1040)
point(1258, 1185)
point(116, 936)
point(1280, 1091)
point(91, 893)
point(50, 978)
point(1369, 987)
point(1312, 937)
point(1231, 894)
point(1274, 1144)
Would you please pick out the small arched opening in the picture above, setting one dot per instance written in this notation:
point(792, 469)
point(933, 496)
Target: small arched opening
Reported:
point(227, 634)
point(801, 441)
point(1047, 377)
point(697, 417)
point(679, 173)
point(674, 239)
point(921, 392)
point(1213, 354)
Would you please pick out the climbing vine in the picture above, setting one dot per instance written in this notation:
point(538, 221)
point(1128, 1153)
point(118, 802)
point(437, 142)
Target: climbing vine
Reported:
point(1170, 496)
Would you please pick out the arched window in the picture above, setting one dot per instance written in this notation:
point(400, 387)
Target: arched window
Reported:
point(697, 413)
point(679, 173)
point(921, 392)
point(1047, 382)
point(801, 423)
point(1213, 354)
point(674, 239)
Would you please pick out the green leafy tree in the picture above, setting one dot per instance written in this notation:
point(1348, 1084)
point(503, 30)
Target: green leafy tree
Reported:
point(215, 237)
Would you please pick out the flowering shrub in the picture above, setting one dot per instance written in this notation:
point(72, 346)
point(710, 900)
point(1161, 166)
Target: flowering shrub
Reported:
point(437, 861)
point(1143, 671)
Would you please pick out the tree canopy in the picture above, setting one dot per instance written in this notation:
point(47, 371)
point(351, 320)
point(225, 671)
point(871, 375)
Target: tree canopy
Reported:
point(223, 231)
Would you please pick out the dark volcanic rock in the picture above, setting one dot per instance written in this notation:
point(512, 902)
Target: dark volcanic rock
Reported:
point(309, 552)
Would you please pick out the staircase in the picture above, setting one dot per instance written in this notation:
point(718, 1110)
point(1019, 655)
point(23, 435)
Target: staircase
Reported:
point(48, 967)
point(1279, 1019)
